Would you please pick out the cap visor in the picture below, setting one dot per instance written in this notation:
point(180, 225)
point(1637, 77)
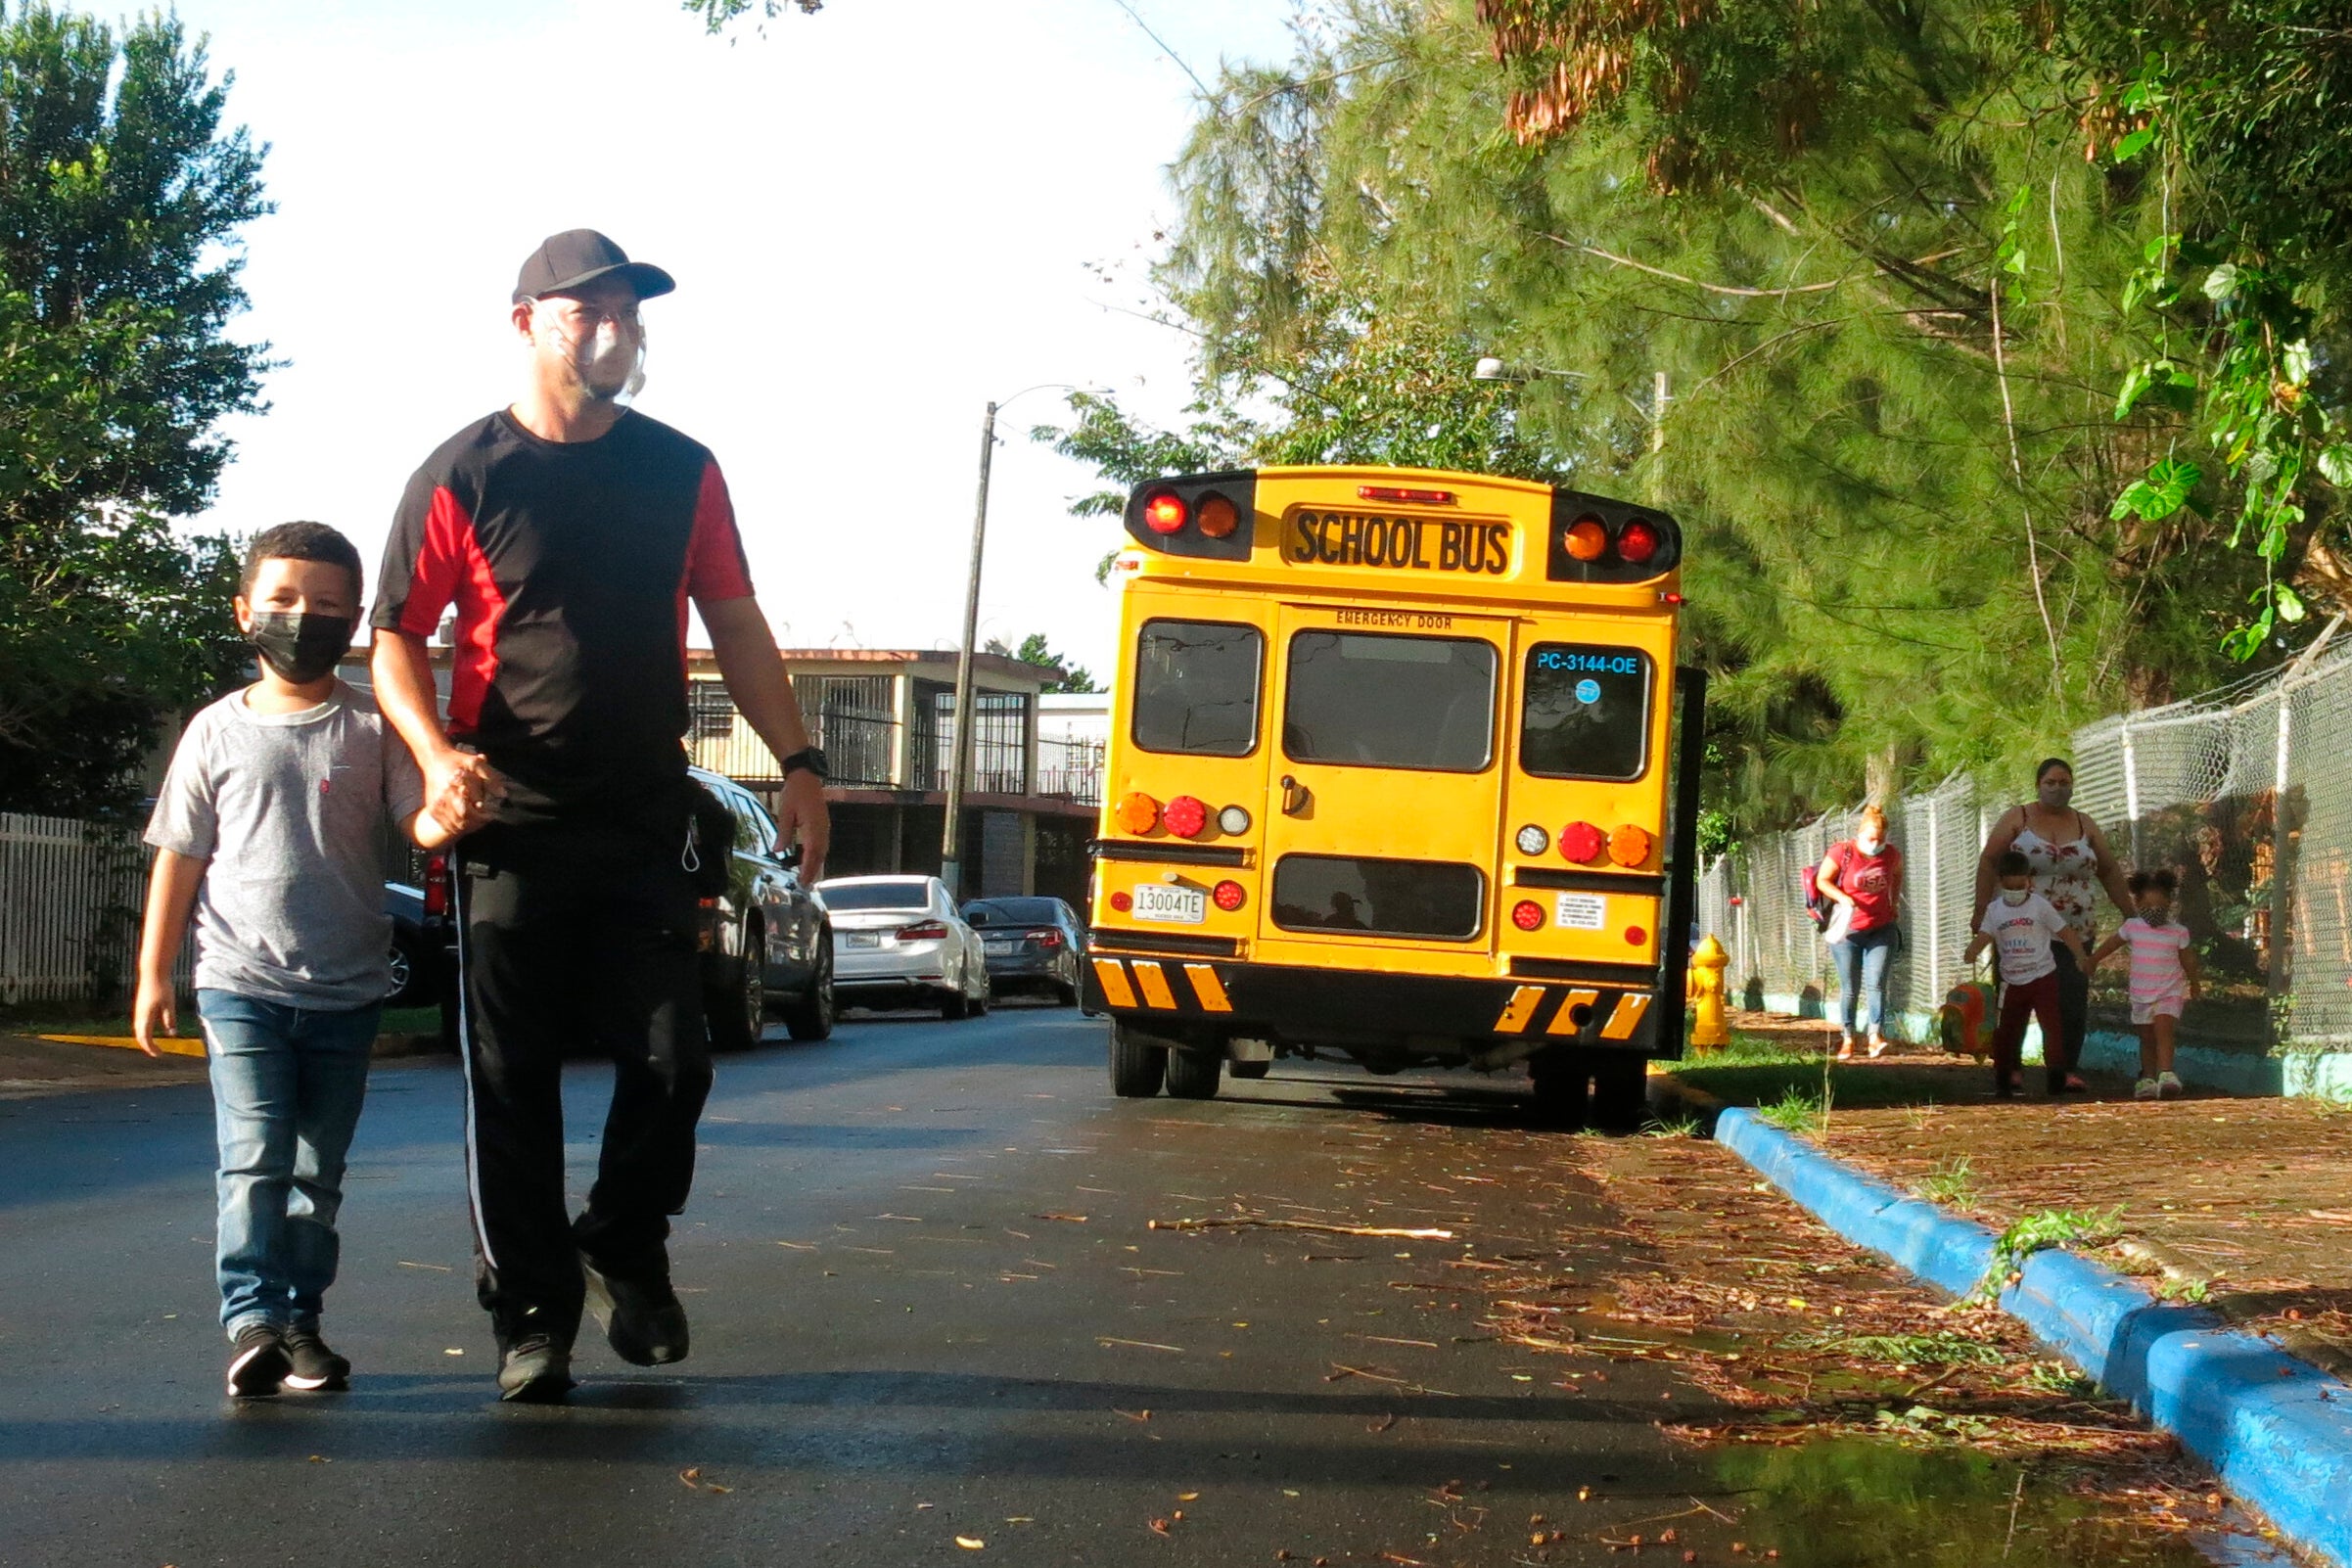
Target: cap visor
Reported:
point(647, 279)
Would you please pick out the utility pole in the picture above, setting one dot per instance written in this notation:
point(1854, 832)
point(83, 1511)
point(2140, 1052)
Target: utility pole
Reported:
point(961, 742)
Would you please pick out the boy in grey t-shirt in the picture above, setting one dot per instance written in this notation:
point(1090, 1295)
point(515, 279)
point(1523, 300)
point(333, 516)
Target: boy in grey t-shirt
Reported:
point(269, 828)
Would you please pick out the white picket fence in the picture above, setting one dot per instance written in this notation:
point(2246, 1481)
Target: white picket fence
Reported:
point(69, 899)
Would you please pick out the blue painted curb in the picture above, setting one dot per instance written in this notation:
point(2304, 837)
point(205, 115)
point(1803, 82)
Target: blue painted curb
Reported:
point(2277, 1430)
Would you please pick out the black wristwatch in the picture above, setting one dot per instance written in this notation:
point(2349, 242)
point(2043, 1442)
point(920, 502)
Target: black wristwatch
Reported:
point(809, 757)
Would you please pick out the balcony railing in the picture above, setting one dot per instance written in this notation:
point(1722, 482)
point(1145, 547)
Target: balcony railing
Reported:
point(858, 749)
point(1070, 766)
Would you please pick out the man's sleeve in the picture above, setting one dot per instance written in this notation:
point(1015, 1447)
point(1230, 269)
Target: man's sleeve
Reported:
point(186, 819)
point(422, 560)
point(715, 568)
point(404, 783)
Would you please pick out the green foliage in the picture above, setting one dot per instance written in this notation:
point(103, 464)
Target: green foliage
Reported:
point(1068, 676)
point(719, 14)
point(1797, 1110)
point(2194, 1292)
point(1952, 1181)
point(121, 193)
point(1947, 1348)
point(2035, 1233)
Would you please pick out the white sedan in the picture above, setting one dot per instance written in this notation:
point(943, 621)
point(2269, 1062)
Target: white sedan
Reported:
point(900, 941)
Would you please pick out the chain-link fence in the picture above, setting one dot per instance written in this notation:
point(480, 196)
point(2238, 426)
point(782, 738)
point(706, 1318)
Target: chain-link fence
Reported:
point(2245, 796)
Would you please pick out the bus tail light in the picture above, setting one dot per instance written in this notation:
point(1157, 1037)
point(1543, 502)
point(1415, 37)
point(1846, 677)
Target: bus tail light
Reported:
point(1137, 812)
point(1392, 492)
point(1123, 902)
point(1630, 846)
point(1218, 517)
point(1638, 542)
point(1586, 539)
point(1527, 915)
point(1234, 820)
point(1228, 896)
point(1165, 513)
point(1532, 839)
point(1581, 841)
point(924, 931)
point(1186, 816)
point(1635, 936)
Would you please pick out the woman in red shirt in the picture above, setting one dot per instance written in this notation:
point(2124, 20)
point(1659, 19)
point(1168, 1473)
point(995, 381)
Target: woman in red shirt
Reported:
point(1864, 873)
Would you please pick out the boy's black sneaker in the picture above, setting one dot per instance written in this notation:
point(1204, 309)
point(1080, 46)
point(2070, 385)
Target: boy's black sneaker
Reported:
point(313, 1367)
point(257, 1365)
point(641, 1319)
point(536, 1369)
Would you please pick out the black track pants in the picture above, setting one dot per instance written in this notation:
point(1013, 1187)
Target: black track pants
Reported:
point(576, 937)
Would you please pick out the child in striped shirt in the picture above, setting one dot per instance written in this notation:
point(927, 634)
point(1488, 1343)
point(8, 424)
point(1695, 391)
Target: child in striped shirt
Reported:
point(2164, 978)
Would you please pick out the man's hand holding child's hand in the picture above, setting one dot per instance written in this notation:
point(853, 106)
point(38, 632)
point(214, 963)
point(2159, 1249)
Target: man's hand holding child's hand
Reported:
point(462, 791)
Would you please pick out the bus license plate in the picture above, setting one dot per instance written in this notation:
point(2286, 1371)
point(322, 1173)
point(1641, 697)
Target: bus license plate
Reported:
point(1582, 911)
point(1176, 906)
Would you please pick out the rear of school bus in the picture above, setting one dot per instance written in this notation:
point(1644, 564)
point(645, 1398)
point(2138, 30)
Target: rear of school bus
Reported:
point(1389, 780)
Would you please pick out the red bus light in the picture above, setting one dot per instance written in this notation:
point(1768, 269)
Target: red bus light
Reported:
point(1639, 542)
point(1123, 902)
point(1164, 513)
point(1527, 915)
point(1635, 934)
point(1228, 896)
point(1218, 517)
point(1586, 539)
point(1581, 841)
point(1391, 493)
point(1186, 816)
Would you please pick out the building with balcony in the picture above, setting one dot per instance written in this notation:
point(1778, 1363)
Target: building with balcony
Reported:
point(886, 719)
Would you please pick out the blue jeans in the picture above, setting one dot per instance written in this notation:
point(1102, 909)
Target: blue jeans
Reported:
point(286, 1086)
point(1861, 964)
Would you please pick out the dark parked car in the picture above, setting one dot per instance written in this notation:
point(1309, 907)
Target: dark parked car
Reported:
point(766, 942)
point(424, 946)
point(1031, 945)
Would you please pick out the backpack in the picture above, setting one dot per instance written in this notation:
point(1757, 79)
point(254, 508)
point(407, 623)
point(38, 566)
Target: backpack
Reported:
point(1817, 904)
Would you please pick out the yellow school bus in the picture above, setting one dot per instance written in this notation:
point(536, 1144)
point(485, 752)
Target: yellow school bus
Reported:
point(1396, 774)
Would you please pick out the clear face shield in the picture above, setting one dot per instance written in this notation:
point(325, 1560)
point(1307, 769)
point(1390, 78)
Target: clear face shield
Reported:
point(604, 351)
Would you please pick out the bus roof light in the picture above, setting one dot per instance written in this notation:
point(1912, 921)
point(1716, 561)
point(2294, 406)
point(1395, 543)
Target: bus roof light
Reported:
point(1586, 539)
point(1638, 541)
point(1164, 513)
point(1217, 517)
point(1393, 492)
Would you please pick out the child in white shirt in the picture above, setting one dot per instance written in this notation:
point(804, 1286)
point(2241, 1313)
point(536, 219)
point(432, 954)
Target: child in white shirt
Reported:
point(2019, 924)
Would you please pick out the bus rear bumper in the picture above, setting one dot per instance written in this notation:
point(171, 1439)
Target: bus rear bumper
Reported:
point(1478, 1021)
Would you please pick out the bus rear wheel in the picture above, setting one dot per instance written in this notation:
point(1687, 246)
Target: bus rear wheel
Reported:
point(1193, 1075)
point(1138, 1064)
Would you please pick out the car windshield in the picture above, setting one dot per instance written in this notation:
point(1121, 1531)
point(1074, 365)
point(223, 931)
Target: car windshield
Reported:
point(1013, 913)
point(874, 895)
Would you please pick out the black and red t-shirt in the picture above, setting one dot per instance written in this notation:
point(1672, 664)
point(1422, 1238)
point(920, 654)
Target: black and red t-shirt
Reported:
point(570, 564)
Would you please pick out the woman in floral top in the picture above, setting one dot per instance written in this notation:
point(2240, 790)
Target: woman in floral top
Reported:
point(2071, 863)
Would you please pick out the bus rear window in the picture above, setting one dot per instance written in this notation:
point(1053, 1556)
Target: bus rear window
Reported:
point(1196, 687)
point(1588, 712)
point(1378, 897)
point(1378, 701)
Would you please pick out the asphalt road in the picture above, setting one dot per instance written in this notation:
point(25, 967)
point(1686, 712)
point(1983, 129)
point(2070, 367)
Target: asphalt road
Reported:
point(926, 1305)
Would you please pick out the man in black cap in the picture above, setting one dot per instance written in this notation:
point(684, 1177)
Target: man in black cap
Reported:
point(570, 531)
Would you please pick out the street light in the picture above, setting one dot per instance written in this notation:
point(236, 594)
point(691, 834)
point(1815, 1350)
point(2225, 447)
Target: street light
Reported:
point(1489, 368)
point(960, 744)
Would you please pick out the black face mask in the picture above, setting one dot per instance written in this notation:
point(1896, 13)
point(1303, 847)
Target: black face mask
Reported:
point(299, 646)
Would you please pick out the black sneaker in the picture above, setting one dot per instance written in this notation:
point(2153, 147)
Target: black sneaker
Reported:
point(257, 1365)
point(641, 1319)
point(536, 1370)
point(315, 1369)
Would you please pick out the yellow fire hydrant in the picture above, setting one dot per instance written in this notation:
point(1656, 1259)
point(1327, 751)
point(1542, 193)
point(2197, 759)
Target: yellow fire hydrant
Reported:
point(1710, 1027)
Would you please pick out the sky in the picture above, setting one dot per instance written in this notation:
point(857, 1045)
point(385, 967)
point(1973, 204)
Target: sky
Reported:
point(881, 218)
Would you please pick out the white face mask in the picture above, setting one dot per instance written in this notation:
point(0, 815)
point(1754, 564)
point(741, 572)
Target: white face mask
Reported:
point(1869, 846)
point(2015, 896)
point(610, 362)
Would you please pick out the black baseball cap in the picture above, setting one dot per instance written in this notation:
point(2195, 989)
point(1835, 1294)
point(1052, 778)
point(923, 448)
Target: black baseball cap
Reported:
point(578, 257)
